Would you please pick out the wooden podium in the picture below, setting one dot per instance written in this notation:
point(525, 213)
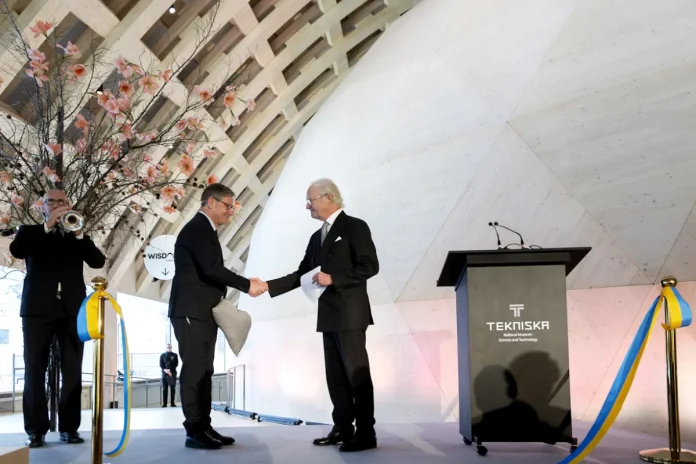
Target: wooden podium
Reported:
point(512, 333)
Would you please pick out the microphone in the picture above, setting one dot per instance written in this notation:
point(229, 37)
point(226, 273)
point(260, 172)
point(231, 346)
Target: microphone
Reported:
point(496, 233)
point(514, 232)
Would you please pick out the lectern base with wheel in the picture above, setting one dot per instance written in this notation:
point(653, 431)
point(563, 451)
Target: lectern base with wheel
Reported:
point(512, 331)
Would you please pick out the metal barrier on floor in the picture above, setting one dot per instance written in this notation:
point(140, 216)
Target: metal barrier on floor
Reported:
point(230, 406)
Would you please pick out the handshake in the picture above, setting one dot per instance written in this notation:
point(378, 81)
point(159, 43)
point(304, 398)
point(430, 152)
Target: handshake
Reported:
point(259, 287)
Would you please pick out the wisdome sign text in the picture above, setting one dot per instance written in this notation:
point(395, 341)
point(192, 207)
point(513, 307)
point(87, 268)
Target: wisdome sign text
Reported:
point(159, 257)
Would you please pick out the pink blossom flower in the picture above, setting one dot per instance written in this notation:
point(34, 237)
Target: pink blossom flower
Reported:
point(104, 97)
point(51, 174)
point(190, 147)
point(76, 71)
point(126, 88)
point(127, 131)
point(151, 174)
point(195, 124)
point(186, 166)
point(229, 99)
point(204, 94)
point(38, 68)
point(181, 125)
point(81, 146)
point(251, 104)
point(208, 153)
point(166, 75)
point(164, 167)
point(5, 219)
point(213, 179)
point(148, 84)
point(71, 50)
point(168, 192)
point(17, 200)
point(169, 209)
point(128, 173)
point(123, 67)
point(41, 28)
point(147, 158)
point(35, 55)
point(124, 104)
point(112, 106)
point(5, 177)
point(180, 191)
point(82, 123)
point(54, 148)
point(38, 204)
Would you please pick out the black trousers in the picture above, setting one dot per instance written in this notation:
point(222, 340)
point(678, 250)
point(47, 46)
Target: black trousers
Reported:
point(38, 335)
point(166, 388)
point(197, 351)
point(349, 381)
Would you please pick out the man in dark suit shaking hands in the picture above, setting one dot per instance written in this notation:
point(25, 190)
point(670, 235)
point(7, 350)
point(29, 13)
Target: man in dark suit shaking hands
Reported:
point(53, 291)
point(199, 284)
point(344, 249)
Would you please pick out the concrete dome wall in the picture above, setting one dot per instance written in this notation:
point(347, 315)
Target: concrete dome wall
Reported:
point(571, 121)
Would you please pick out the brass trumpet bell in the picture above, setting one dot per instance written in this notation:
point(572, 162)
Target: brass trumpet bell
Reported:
point(72, 221)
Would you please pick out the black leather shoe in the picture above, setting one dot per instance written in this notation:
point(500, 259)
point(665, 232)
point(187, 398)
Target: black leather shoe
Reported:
point(359, 443)
point(333, 438)
point(71, 437)
point(35, 441)
point(164, 405)
point(202, 440)
point(173, 405)
point(226, 441)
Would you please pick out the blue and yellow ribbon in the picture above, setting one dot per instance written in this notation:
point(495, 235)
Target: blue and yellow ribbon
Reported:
point(678, 316)
point(88, 329)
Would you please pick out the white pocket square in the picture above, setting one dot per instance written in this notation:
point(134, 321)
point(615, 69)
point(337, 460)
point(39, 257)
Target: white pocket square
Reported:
point(338, 239)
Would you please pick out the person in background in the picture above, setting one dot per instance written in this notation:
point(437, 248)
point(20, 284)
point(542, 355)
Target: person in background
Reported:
point(169, 361)
point(54, 288)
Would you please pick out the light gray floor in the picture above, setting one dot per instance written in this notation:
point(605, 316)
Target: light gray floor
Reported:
point(398, 444)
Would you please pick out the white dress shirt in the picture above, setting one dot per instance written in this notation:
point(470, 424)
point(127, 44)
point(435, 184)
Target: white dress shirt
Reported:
point(331, 219)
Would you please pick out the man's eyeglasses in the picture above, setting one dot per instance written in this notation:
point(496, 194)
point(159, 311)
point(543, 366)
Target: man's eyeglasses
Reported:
point(310, 200)
point(229, 207)
point(52, 202)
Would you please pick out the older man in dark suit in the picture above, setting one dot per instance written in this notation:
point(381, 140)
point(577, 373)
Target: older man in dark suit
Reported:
point(344, 249)
point(54, 289)
point(199, 284)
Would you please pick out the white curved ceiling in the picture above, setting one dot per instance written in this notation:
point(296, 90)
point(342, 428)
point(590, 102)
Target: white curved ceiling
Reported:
point(295, 52)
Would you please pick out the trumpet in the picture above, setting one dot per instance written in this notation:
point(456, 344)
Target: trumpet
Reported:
point(71, 221)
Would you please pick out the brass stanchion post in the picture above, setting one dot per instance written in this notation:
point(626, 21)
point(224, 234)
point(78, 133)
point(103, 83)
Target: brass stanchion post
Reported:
point(673, 454)
point(98, 283)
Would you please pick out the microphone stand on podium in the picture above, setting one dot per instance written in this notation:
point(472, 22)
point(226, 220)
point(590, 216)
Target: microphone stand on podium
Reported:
point(673, 454)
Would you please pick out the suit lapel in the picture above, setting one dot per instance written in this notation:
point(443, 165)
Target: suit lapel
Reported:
point(213, 234)
point(334, 232)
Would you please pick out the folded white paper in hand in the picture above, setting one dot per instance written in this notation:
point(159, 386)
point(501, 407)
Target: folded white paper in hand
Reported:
point(312, 289)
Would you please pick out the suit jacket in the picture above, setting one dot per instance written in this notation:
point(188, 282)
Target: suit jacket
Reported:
point(53, 258)
point(169, 361)
point(201, 278)
point(350, 261)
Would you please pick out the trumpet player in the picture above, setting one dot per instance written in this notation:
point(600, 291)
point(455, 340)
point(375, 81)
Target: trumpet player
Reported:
point(54, 288)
